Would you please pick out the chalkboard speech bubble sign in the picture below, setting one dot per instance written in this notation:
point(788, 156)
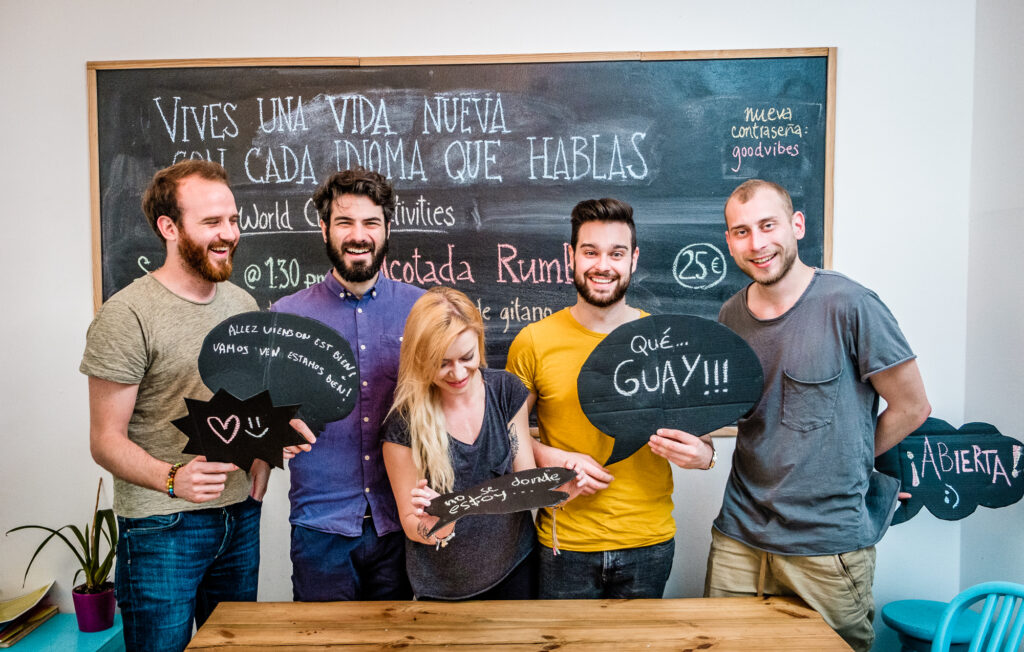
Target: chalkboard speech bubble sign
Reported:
point(667, 371)
point(299, 361)
point(226, 429)
point(951, 471)
point(513, 492)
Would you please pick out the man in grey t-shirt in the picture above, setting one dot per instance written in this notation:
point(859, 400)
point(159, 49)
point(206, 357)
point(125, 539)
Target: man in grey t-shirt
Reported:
point(803, 508)
point(189, 528)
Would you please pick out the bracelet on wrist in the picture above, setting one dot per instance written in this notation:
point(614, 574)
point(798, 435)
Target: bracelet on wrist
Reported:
point(441, 542)
point(714, 458)
point(170, 478)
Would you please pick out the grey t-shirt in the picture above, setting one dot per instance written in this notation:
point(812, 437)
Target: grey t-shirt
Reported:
point(486, 548)
point(802, 480)
point(148, 336)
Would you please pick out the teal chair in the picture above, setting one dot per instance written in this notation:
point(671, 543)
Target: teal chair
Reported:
point(916, 621)
point(1000, 626)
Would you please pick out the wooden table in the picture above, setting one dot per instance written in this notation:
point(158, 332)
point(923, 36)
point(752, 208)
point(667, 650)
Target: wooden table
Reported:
point(746, 624)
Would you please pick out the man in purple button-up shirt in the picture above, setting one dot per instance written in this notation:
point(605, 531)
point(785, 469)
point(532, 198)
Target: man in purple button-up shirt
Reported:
point(347, 543)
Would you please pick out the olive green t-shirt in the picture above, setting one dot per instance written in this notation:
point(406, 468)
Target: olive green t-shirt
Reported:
point(148, 336)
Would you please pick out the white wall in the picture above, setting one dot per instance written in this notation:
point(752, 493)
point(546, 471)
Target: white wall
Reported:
point(992, 545)
point(905, 71)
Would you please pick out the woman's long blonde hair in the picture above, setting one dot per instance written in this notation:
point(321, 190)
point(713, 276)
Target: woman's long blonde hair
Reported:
point(436, 319)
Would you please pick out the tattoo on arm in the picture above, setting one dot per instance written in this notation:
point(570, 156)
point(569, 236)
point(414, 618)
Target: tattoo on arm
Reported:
point(423, 531)
point(513, 439)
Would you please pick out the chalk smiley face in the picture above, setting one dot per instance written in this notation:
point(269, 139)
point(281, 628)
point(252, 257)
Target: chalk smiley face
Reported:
point(254, 424)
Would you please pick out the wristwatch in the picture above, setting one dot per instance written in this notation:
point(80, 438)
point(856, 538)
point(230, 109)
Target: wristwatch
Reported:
point(714, 458)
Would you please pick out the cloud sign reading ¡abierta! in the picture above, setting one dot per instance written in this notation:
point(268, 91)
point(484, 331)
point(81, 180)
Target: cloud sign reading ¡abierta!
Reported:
point(951, 471)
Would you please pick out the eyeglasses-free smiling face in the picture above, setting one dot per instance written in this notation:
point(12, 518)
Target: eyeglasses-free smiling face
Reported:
point(603, 262)
point(356, 238)
point(762, 236)
point(460, 364)
point(208, 227)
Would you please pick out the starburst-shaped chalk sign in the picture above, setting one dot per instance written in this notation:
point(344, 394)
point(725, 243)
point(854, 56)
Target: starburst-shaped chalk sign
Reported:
point(228, 429)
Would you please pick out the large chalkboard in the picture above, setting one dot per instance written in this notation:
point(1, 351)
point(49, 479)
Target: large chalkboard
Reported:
point(488, 157)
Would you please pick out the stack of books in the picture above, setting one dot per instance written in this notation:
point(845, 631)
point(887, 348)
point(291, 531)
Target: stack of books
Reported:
point(23, 614)
point(20, 627)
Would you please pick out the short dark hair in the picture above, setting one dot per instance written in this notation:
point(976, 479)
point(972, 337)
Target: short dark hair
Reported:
point(161, 196)
point(746, 191)
point(602, 210)
point(357, 181)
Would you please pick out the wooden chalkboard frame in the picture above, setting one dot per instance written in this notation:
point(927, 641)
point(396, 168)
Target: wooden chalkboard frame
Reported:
point(93, 66)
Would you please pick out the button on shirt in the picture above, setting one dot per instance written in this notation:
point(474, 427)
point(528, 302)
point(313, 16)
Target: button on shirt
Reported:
point(343, 475)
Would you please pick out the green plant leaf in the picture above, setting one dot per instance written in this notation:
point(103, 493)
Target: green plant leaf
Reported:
point(102, 525)
point(53, 533)
point(83, 541)
point(110, 531)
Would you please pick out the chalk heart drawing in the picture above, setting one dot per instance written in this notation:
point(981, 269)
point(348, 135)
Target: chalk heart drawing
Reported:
point(223, 426)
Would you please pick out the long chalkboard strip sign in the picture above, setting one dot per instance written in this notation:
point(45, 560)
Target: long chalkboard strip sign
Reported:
point(488, 155)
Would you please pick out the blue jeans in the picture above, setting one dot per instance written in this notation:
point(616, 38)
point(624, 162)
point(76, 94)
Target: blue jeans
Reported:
point(328, 567)
point(626, 573)
point(176, 568)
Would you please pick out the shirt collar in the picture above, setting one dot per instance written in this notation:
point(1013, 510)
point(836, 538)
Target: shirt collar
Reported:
point(339, 290)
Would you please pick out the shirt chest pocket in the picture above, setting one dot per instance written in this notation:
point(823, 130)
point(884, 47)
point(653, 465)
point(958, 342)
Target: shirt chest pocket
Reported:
point(388, 353)
point(809, 404)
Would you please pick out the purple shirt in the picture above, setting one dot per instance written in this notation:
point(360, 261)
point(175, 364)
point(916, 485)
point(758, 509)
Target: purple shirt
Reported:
point(333, 484)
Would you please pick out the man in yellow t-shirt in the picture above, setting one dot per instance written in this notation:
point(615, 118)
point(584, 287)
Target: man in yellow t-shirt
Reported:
point(615, 540)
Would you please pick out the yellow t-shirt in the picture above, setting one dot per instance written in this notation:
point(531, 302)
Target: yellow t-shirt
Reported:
point(636, 508)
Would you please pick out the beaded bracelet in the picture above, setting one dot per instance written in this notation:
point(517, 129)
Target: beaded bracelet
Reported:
point(170, 478)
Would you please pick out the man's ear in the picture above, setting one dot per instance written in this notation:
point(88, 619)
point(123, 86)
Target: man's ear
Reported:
point(636, 257)
point(323, 229)
point(799, 225)
point(167, 227)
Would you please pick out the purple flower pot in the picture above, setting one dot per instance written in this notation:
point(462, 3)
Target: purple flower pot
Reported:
point(95, 611)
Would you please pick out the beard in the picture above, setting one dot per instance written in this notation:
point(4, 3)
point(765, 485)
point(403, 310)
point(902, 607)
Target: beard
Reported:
point(359, 272)
point(197, 258)
point(788, 257)
point(619, 291)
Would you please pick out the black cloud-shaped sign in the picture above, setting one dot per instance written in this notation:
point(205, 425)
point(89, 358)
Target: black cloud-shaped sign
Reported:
point(951, 471)
point(299, 361)
point(667, 371)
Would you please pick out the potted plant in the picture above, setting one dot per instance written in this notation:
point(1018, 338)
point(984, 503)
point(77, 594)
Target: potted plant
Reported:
point(94, 599)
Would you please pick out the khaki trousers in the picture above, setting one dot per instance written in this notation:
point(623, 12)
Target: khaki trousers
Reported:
point(836, 586)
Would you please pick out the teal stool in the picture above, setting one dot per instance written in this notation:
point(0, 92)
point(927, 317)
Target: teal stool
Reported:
point(915, 622)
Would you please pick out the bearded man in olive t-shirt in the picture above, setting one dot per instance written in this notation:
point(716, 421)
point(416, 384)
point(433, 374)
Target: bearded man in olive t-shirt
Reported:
point(189, 528)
